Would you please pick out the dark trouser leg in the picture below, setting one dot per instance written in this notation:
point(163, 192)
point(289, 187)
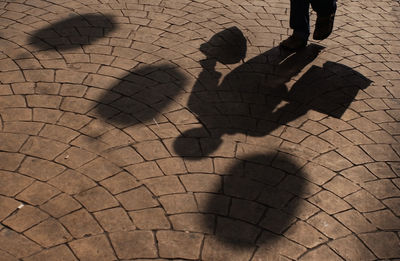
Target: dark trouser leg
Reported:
point(324, 7)
point(300, 17)
point(325, 17)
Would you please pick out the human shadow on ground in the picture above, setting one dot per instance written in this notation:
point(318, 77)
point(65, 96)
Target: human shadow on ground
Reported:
point(258, 196)
point(253, 98)
point(142, 95)
point(72, 32)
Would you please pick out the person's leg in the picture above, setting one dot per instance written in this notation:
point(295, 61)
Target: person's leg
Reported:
point(300, 23)
point(300, 17)
point(325, 10)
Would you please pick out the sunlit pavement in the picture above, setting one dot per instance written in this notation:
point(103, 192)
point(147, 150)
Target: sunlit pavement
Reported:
point(179, 130)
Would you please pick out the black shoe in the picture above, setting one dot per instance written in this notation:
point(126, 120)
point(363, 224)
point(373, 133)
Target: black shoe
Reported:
point(293, 43)
point(323, 27)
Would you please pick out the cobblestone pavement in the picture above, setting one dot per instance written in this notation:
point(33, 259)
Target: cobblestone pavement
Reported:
point(133, 130)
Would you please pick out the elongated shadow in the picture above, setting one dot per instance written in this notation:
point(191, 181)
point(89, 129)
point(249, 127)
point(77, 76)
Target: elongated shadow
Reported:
point(254, 99)
point(258, 197)
point(75, 31)
point(141, 95)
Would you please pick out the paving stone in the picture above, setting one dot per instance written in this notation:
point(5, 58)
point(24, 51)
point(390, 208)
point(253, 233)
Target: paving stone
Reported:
point(12, 142)
point(120, 183)
point(40, 169)
point(72, 182)
point(317, 144)
point(201, 182)
point(92, 248)
point(134, 244)
point(358, 174)
point(43, 148)
point(114, 219)
point(17, 244)
point(328, 226)
point(364, 201)
point(393, 204)
point(10, 161)
point(220, 203)
point(333, 161)
point(46, 115)
point(16, 114)
point(178, 203)
point(383, 244)
point(48, 233)
point(381, 152)
point(204, 165)
point(37, 193)
point(73, 120)
point(316, 173)
point(305, 234)
point(123, 156)
point(13, 183)
point(60, 205)
point(301, 208)
point(321, 253)
point(24, 218)
point(164, 185)
point(7, 206)
point(96, 198)
point(144, 170)
point(282, 245)
point(351, 248)
point(217, 250)
point(140, 132)
point(175, 244)
point(341, 186)
point(172, 166)
point(151, 150)
point(355, 155)
point(99, 169)
point(356, 137)
point(75, 157)
point(329, 202)
point(30, 128)
point(384, 219)
point(382, 189)
point(138, 198)
point(58, 133)
point(54, 254)
point(81, 224)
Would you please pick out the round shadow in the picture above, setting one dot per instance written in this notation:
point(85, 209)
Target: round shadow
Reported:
point(74, 31)
point(258, 199)
point(142, 95)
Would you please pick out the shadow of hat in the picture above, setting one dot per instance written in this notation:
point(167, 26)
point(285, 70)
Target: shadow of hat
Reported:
point(227, 47)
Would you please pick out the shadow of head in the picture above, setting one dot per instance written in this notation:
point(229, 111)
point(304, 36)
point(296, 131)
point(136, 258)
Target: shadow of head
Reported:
point(258, 195)
point(142, 95)
point(227, 47)
point(74, 31)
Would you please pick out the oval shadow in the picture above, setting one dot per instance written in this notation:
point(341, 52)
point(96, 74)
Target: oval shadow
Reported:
point(258, 197)
point(72, 32)
point(142, 95)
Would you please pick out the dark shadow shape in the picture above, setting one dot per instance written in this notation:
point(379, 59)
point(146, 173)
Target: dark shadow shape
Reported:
point(253, 99)
point(258, 199)
point(75, 31)
point(142, 95)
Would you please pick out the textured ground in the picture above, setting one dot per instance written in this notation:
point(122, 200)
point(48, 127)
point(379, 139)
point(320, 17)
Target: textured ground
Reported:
point(120, 141)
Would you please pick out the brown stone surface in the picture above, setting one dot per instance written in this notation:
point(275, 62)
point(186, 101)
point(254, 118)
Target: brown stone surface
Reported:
point(174, 244)
point(134, 244)
point(81, 224)
point(48, 233)
point(129, 130)
point(92, 248)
